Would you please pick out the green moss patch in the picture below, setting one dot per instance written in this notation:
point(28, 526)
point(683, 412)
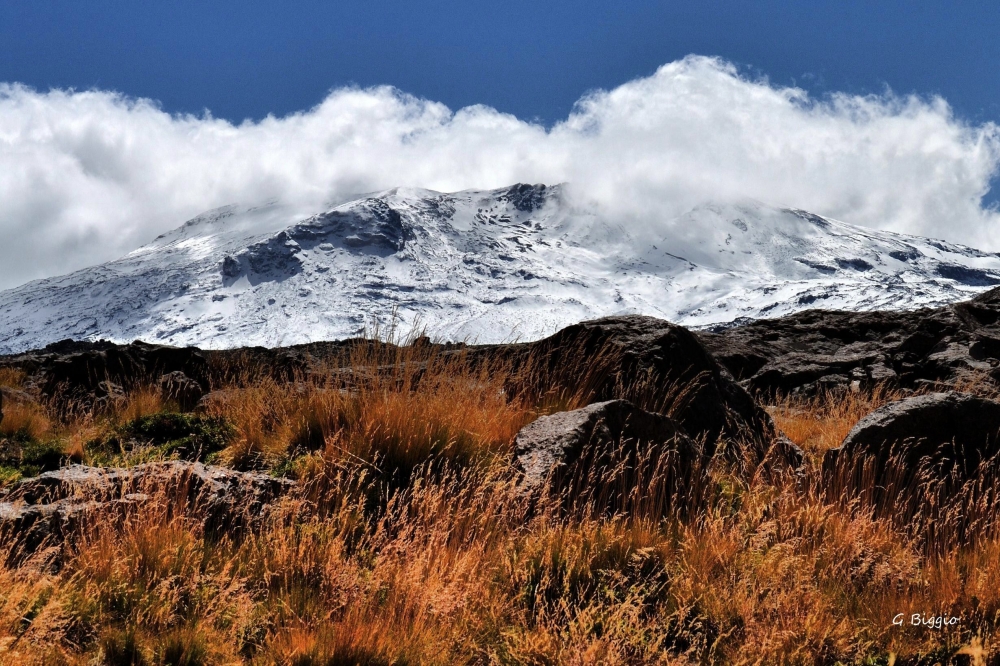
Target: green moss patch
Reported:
point(21, 457)
point(161, 436)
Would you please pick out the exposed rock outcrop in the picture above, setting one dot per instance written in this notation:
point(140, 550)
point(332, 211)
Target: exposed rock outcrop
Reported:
point(89, 371)
point(50, 508)
point(659, 366)
point(817, 349)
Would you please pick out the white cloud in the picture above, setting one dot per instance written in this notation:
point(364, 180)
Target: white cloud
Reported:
point(88, 176)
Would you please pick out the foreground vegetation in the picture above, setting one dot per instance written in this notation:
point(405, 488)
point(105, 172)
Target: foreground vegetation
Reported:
point(407, 541)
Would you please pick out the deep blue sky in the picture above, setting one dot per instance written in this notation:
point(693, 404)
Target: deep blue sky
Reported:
point(534, 59)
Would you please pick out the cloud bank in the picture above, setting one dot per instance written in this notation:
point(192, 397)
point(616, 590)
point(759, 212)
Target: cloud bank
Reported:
point(88, 176)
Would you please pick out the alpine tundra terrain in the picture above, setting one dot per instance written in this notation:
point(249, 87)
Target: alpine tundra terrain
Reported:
point(489, 266)
point(818, 488)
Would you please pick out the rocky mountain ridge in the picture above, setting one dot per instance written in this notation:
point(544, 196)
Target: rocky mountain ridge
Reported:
point(815, 350)
point(805, 352)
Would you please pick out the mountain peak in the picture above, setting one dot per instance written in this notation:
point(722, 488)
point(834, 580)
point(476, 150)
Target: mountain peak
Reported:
point(493, 265)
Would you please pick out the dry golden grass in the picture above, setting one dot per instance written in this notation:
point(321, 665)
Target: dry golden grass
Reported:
point(25, 419)
point(21, 417)
point(12, 377)
point(821, 422)
point(395, 408)
point(142, 401)
point(452, 572)
point(407, 542)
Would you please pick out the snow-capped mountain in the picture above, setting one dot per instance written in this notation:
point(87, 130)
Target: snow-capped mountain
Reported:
point(518, 262)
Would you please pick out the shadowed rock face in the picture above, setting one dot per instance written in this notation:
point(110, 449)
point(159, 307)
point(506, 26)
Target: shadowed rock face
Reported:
point(558, 440)
point(926, 453)
point(88, 371)
point(608, 455)
point(525, 197)
point(180, 388)
point(817, 349)
point(373, 226)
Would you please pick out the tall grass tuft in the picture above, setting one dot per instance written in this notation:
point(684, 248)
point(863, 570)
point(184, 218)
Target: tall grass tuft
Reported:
point(819, 423)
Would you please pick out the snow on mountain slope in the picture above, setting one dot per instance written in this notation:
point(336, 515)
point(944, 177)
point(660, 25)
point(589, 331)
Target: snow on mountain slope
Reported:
point(518, 262)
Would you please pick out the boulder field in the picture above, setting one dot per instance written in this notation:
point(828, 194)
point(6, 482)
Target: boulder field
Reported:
point(661, 367)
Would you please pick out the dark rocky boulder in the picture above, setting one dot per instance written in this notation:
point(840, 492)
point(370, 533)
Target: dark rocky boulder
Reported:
point(178, 387)
point(47, 510)
point(918, 455)
point(821, 349)
point(104, 397)
point(608, 455)
point(557, 440)
point(214, 402)
point(662, 368)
